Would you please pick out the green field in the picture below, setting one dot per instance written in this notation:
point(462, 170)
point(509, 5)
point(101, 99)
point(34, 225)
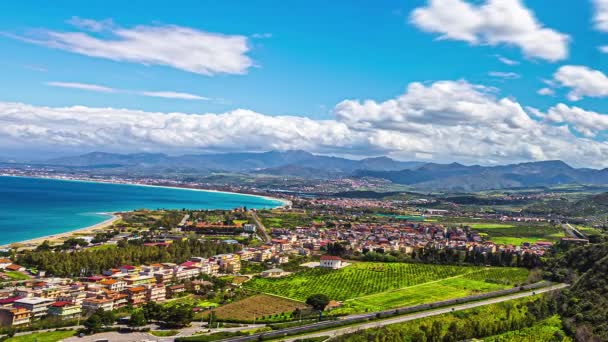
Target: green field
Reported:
point(13, 275)
point(377, 286)
point(52, 336)
point(518, 233)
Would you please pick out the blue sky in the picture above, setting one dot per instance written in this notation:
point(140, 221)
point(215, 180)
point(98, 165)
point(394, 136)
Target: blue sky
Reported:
point(304, 59)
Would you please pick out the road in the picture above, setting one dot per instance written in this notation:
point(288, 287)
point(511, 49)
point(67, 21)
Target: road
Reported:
point(380, 323)
point(572, 231)
point(261, 228)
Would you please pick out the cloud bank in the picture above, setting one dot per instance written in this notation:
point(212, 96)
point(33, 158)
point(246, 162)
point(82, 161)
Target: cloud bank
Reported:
point(443, 121)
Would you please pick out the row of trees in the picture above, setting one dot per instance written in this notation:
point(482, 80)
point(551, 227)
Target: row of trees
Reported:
point(440, 256)
point(89, 262)
point(170, 316)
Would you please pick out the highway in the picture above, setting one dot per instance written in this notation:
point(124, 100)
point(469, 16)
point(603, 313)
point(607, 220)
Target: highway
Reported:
point(383, 322)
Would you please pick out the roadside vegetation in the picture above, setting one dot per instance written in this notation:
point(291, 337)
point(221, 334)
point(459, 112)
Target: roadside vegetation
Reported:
point(481, 322)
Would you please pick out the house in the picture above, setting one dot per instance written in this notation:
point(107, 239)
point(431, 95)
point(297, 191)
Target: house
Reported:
point(8, 302)
point(94, 304)
point(135, 280)
point(249, 228)
point(136, 295)
point(64, 310)
point(120, 300)
point(175, 290)
point(4, 263)
point(274, 273)
point(156, 293)
point(330, 261)
point(128, 269)
point(10, 317)
point(15, 268)
point(38, 306)
point(115, 285)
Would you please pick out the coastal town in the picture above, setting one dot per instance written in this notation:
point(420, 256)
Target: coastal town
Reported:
point(274, 244)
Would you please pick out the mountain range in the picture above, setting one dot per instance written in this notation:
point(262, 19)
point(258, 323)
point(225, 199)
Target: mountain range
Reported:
point(417, 175)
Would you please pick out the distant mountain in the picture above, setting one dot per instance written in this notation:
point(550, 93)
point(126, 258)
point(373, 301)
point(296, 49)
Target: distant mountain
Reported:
point(294, 163)
point(452, 177)
point(458, 177)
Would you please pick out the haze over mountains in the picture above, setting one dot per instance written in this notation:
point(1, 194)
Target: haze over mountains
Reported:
point(418, 175)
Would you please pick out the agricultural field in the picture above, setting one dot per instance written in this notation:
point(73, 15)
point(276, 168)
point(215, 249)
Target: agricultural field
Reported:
point(50, 336)
point(368, 286)
point(517, 233)
point(260, 307)
point(476, 282)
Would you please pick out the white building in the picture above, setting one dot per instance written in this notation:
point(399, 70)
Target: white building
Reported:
point(330, 261)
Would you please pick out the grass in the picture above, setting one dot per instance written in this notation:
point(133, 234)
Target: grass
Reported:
point(164, 333)
point(16, 275)
point(518, 233)
point(367, 286)
point(51, 336)
point(103, 247)
point(259, 307)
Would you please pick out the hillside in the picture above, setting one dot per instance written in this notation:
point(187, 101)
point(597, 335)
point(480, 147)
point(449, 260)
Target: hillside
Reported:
point(416, 175)
point(584, 306)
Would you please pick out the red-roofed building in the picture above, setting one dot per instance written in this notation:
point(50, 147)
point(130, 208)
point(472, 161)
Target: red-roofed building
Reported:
point(330, 261)
point(64, 310)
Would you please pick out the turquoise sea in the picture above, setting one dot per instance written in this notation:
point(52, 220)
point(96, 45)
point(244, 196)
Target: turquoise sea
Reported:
point(34, 207)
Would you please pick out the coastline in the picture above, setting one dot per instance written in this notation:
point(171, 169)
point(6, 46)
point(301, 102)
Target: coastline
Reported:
point(32, 243)
point(284, 202)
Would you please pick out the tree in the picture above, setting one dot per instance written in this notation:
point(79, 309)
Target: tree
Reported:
point(152, 311)
point(93, 324)
point(177, 316)
point(318, 301)
point(137, 319)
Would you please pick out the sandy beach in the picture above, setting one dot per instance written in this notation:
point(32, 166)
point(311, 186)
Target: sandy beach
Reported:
point(57, 238)
point(32, 243)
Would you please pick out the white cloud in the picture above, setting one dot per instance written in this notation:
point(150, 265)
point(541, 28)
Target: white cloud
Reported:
point(582, 81)
point(493, 22)
point(601, 15)
point(91, 25)
point(104, 89)
point(173, 95)
point(504, 75)
point(82, 86)
point(586, 122)
point(604, 48)
point(546, 91)
point(444, 120)
point(507, 61)
point(174, 46)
